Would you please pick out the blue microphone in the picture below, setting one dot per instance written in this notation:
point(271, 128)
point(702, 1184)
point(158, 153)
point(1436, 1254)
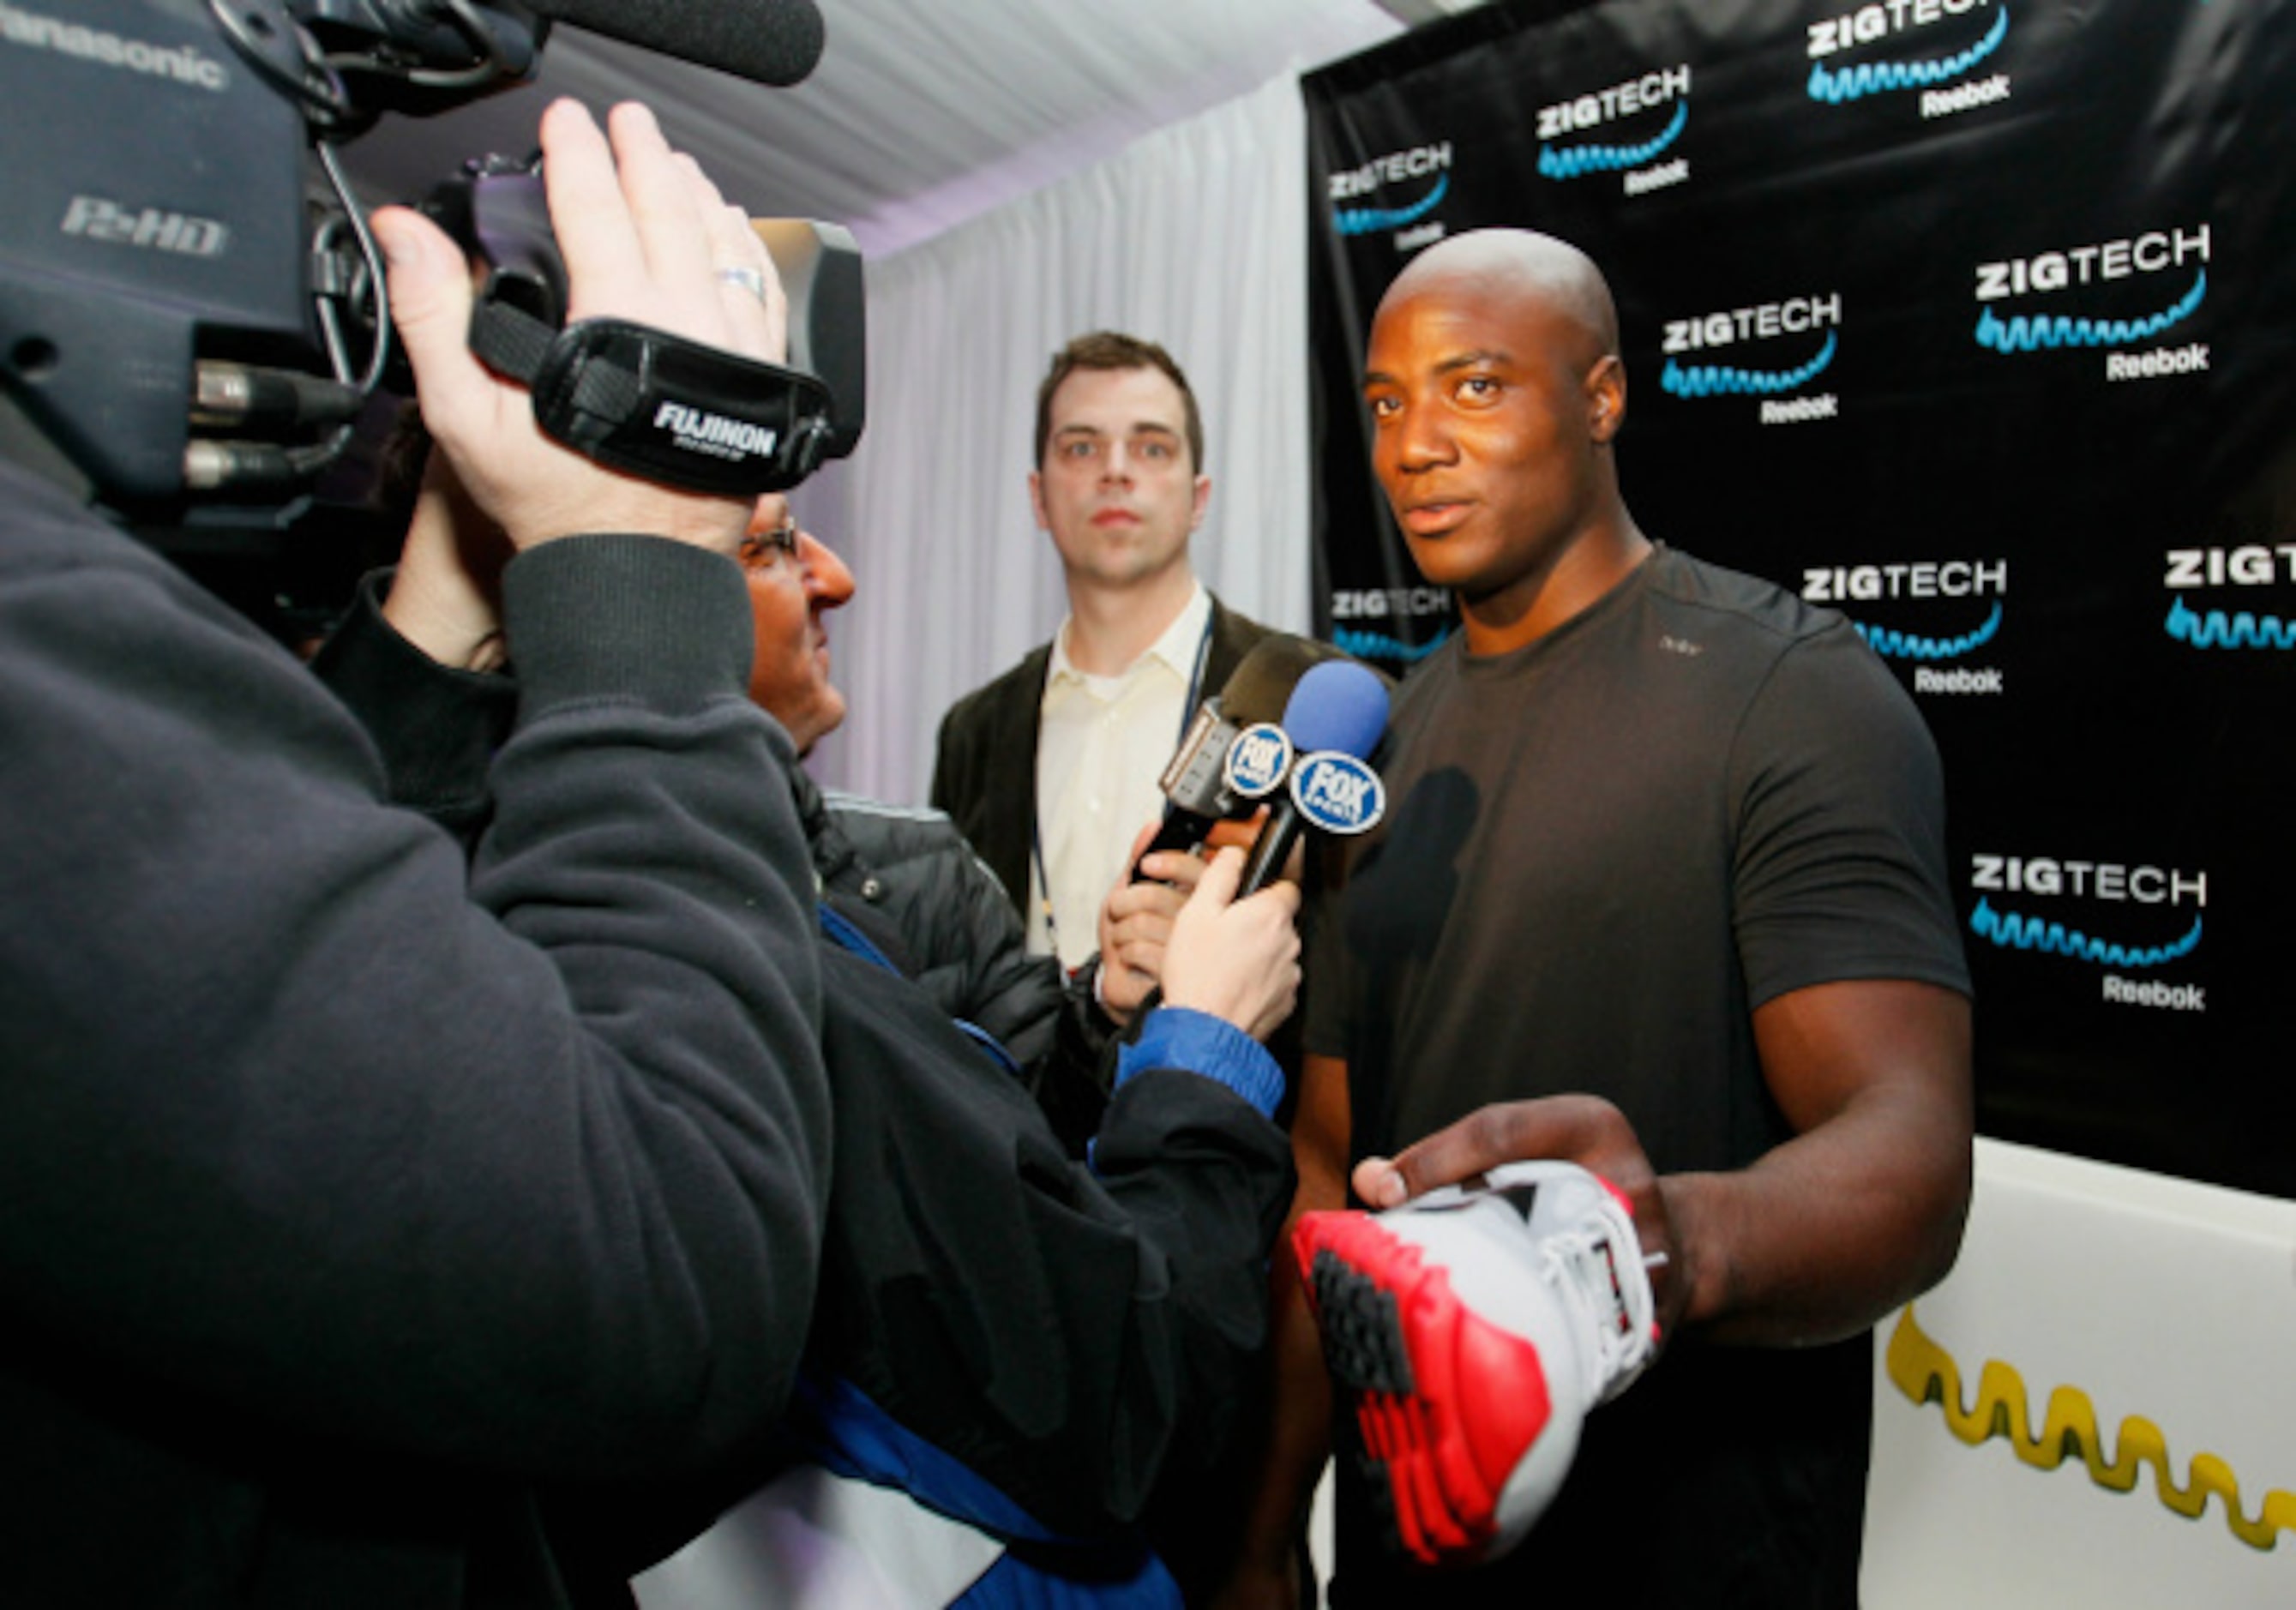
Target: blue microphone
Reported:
point(1335, 717)
point(1197, 794)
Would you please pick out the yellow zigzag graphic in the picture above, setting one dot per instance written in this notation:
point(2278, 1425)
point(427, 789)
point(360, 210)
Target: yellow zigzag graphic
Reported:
point(1924, 1372)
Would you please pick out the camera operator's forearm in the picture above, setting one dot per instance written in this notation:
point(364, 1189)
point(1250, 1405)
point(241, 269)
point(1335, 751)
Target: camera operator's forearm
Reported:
point(540, 1191)
point(437, 729)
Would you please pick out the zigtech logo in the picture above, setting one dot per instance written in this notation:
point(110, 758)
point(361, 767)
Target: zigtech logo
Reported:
point(1583, 114)
point(1430, 163)
point(1799, 315)
point(1382, 646)
point(1847, 585)
point(1386, 604)
point(2048, 878)
point(1926, 1373)
point(2089, 269)
point(2251, 564)
point(1891, 20)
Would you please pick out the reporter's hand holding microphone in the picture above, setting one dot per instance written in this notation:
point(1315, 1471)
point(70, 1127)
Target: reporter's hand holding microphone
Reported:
point(1309, 772)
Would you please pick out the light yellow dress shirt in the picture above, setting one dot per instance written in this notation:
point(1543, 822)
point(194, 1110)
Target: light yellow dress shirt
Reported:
point(1102, 742)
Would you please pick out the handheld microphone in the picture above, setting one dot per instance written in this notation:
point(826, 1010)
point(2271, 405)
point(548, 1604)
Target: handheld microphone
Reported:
point(1336, 717)
point(1196, 792)
point(766, 41)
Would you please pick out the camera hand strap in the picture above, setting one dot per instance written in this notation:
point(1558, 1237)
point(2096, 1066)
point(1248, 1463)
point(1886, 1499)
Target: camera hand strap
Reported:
point(658, 405)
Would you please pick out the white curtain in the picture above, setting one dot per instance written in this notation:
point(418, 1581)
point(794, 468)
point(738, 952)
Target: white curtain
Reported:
point(1195, 237)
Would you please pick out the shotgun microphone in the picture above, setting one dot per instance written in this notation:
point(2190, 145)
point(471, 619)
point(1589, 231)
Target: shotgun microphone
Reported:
point(765, 41)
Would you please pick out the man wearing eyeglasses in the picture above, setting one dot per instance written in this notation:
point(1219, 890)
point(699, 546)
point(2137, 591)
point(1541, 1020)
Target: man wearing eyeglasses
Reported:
point(1013, 1350)
point(794, 582)
point(956, 925)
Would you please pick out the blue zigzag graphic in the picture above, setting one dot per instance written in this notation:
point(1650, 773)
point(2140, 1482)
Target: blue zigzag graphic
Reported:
point(1375, 646)
point(1371, 220)
point(1707, 380)
point(1897, 645)
point(1875, 78)
point(1582, 160)
point(2015, 932)
point(2216, 629)
point(2023, 335)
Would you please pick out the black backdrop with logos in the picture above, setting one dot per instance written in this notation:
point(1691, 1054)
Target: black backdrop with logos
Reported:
point(1976, 319)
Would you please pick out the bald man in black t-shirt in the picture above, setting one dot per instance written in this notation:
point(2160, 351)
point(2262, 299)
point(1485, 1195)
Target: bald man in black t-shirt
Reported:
point(1663, 892)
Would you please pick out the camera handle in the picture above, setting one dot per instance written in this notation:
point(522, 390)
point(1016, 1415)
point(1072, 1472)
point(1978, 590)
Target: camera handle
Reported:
point(655, 405)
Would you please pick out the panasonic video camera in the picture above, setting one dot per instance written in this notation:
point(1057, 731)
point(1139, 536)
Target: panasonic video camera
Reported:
point(191, 327)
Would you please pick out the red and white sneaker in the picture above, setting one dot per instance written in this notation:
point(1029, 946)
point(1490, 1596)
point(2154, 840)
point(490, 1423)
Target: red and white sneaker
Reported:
point(1472, 1328)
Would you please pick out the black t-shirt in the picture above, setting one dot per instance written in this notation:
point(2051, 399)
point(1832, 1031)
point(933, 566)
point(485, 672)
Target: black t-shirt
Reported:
point(1602, 851)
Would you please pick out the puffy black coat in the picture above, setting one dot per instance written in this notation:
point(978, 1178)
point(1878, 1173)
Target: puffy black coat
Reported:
point(961, 938)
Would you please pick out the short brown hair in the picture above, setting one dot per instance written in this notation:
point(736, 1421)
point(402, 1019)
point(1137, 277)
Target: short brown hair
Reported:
point(1113, 349)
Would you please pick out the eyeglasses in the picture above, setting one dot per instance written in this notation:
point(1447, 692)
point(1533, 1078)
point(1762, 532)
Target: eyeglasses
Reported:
point(762, 548)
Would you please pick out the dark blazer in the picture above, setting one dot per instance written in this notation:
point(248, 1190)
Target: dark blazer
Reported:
point(985, 772)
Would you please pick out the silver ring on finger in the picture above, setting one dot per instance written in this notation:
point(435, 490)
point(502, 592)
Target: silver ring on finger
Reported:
point(747, 279)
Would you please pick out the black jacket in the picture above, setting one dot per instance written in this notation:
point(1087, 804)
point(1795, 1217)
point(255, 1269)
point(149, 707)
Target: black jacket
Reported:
point(956, 928)
point(355, 1188)
point(1076, 1334)
point(959, 938)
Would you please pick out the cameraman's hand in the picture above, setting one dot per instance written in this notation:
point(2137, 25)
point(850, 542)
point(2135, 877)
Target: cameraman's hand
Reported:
point(645, 237)
point(1235, 959)
point(445, 596)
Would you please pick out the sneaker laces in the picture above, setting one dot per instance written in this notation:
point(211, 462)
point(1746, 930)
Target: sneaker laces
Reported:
point(1598, 1270)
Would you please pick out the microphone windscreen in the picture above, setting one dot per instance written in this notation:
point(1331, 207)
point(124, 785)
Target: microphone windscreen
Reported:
point(1339, 705)
point(766, 41)
point(1261, 683)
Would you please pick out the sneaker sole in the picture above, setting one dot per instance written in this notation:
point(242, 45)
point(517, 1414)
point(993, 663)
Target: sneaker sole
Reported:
point(1440, 1442)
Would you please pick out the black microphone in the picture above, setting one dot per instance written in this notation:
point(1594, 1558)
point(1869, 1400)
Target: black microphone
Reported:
point(1196, 794)
point(767, 41)
point(1335, 717)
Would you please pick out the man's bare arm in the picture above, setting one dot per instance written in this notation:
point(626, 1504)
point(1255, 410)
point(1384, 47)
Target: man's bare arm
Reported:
point(1862, 1209)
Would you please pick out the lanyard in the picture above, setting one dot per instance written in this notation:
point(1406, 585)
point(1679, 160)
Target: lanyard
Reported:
point(1036, 826)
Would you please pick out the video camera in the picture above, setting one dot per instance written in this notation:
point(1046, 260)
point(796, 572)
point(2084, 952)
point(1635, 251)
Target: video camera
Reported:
point(644, 402)
point(192, 329)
